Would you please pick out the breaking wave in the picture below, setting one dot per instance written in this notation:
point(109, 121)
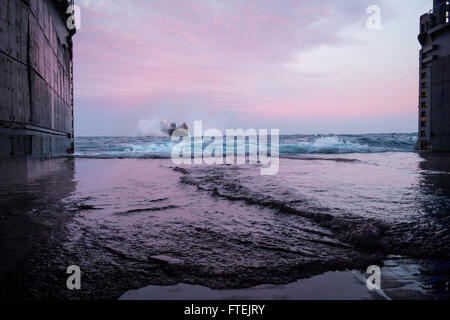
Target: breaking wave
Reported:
point(161, 147)
point(334, 144)
point(363, 232)
point(327, 145)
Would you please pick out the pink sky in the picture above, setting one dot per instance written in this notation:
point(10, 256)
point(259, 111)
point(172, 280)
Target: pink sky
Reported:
point(301, 66)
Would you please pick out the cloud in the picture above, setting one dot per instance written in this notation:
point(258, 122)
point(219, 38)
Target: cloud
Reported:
point(142, 47)
point(225, 59)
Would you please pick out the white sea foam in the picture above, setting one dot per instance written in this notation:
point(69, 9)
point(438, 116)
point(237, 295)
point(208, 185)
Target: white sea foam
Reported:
point(333, 145)
point(151, 143)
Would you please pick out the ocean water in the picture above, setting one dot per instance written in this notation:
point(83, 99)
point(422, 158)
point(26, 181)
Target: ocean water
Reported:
point(160, 147)
point(130, 218)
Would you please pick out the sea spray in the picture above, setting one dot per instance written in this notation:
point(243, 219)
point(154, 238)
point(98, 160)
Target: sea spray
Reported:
point(152, 127)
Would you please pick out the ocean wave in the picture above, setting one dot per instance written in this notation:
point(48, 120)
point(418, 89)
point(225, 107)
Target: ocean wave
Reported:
point(367, 234)
point(332, 145)
point(161, 147)
point(346, 144)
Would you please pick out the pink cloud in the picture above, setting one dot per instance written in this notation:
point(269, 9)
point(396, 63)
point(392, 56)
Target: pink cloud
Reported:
point(224, 56)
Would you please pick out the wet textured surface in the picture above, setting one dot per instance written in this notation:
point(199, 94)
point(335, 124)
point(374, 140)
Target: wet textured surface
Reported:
point(130, 223)
point(328, 286)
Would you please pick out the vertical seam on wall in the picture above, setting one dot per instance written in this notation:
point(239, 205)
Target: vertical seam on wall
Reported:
point(29, 67)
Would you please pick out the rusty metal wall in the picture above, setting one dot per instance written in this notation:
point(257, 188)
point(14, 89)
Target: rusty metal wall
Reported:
point(36, 82)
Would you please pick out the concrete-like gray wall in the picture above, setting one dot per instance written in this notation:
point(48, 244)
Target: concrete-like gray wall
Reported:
point(36, 105)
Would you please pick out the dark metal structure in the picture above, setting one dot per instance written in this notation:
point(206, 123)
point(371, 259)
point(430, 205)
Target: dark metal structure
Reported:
point(36, 79)
point(434, 85)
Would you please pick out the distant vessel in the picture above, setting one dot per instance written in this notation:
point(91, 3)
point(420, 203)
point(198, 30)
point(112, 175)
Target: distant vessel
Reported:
point(182, 130)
